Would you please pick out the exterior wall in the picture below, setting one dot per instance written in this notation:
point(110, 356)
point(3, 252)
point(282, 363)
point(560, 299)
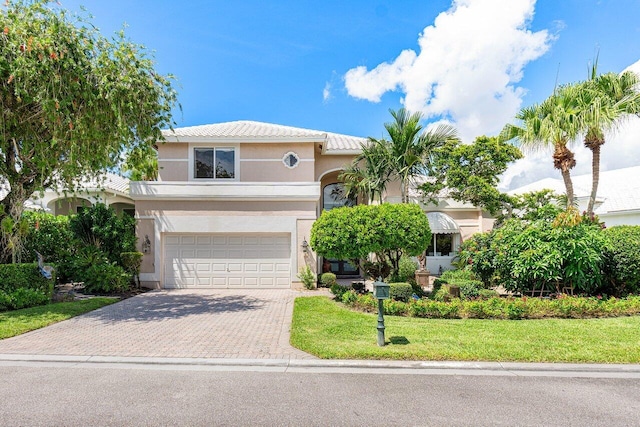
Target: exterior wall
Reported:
point(304, 258)
point(146, 227)
point(173, 162)
point(330, 163)
point(622, 218)
point(156, 218)
point(256, 162)
point(67, 206)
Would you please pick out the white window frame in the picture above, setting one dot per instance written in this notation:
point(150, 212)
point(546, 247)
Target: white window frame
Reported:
point(192, 161)
point(291, 153)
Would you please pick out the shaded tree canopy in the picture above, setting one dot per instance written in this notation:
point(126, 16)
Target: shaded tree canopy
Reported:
point(470, 172)
point(72, 100)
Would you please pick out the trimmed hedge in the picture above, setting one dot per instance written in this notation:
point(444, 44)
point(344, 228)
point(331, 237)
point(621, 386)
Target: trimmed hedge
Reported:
point(623, 258)
point(501, 308)
point(400, 291)
point(22, 285)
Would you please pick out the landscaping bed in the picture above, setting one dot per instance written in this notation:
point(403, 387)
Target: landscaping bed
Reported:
point(330, 330)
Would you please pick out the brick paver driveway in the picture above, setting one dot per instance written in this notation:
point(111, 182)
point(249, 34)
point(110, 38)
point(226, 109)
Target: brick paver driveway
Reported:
point(177, 323)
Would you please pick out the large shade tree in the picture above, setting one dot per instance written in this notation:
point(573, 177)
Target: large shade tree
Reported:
point(606, 101)
point(72, 102)
point(554, 123)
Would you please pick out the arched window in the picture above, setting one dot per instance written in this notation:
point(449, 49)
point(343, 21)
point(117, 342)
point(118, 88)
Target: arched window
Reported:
point(333, 196)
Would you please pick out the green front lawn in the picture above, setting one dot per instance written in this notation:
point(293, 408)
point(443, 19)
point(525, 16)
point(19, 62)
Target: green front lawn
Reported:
point(18, 322)
point(331, 331)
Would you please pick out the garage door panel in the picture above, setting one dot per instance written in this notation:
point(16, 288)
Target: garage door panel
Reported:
point(223, 261)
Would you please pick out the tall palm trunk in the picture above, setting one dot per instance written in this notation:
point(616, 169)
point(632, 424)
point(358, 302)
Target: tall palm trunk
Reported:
point(564, 160)
point(593, 141)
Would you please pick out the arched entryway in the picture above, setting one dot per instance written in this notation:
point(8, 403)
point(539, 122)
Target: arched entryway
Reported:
point(334, 196)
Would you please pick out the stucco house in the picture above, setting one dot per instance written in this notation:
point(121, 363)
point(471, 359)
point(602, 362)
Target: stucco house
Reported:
point(109, 189)
point(618, 199)
point(234, 204)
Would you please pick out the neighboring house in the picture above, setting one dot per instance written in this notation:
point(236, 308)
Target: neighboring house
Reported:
point(110, 189)
point(234, 204)
point(618, 199)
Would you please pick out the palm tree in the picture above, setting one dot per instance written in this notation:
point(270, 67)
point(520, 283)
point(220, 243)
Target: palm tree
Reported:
point(404, 156)
point(369, 173)
point(606, 100)
point(553, 123)
point(411, 149)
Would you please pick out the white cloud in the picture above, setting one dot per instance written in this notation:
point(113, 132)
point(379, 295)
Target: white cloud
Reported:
point(621, 150)
point(465, 71)
point(326, 92)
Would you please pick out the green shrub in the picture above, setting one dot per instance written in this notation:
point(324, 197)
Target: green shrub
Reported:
point(450, 276)
point(487, 294)
point(502, 308)
point(623, 258)
point(349, 297)
point(522, 255)
point(400, 291)
point(406, 270)
point(100, 226)
point(328, 279)
point(131, 262)
point(338, 291)
point(22, 285)
point(106, 278)
point(50, 235)
point(307, 277)
point(28, 276)
point(469, 289)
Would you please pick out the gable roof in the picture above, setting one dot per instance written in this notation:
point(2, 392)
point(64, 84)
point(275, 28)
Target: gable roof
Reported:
point(618, 189)
point(250, 131)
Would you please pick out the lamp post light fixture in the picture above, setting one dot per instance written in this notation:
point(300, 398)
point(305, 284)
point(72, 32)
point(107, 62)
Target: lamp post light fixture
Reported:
point(146, 244)
point(381, 292)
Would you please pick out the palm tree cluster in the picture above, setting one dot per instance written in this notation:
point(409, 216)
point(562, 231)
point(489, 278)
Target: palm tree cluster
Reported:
point(402, 157)
point(589, 109)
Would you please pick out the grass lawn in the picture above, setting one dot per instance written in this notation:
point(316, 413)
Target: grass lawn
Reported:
point(331, 331)
point(18, 322)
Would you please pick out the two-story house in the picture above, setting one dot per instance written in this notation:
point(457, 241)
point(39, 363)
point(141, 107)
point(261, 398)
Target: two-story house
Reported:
point(234, 204)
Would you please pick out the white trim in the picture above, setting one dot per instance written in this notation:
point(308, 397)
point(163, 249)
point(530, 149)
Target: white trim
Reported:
point(217, 190)
point(273, 160)
point(288, 154)
point(328, 172)
point(248, 139)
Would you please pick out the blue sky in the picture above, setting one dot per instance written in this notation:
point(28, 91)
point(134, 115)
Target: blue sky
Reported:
point(339, 66)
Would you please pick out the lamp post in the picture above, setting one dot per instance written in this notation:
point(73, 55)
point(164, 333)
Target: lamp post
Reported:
point(381, 292)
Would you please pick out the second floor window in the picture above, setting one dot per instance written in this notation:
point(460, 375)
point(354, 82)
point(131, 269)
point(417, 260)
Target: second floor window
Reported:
point(216, 163)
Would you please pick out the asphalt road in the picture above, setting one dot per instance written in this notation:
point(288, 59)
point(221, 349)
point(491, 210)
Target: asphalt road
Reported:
point(44, 394)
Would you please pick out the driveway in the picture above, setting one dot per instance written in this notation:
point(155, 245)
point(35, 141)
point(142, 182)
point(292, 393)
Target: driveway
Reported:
point(244, 324)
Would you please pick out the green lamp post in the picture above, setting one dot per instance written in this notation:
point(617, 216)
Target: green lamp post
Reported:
point(381, 292)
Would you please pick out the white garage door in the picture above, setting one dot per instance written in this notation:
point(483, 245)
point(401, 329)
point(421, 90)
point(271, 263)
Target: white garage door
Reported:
point(227, 261)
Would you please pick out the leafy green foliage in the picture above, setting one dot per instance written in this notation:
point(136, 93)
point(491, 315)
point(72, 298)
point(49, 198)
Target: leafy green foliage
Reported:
point(307, 277)
point(131, 262)
point(387, 230)
point(338, 291)
point(505, 308)
point(623, 258)
point(328, 279)
point(470, 172)
point(48, 234)
point(400, 291)
point(406, 270)
point(100, 275)
point(524, 256)
point(72, 100)
point(100, 226)
point(22, 285)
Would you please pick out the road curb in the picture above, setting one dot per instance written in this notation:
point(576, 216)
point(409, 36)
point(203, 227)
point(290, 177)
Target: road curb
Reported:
point(335, 365)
